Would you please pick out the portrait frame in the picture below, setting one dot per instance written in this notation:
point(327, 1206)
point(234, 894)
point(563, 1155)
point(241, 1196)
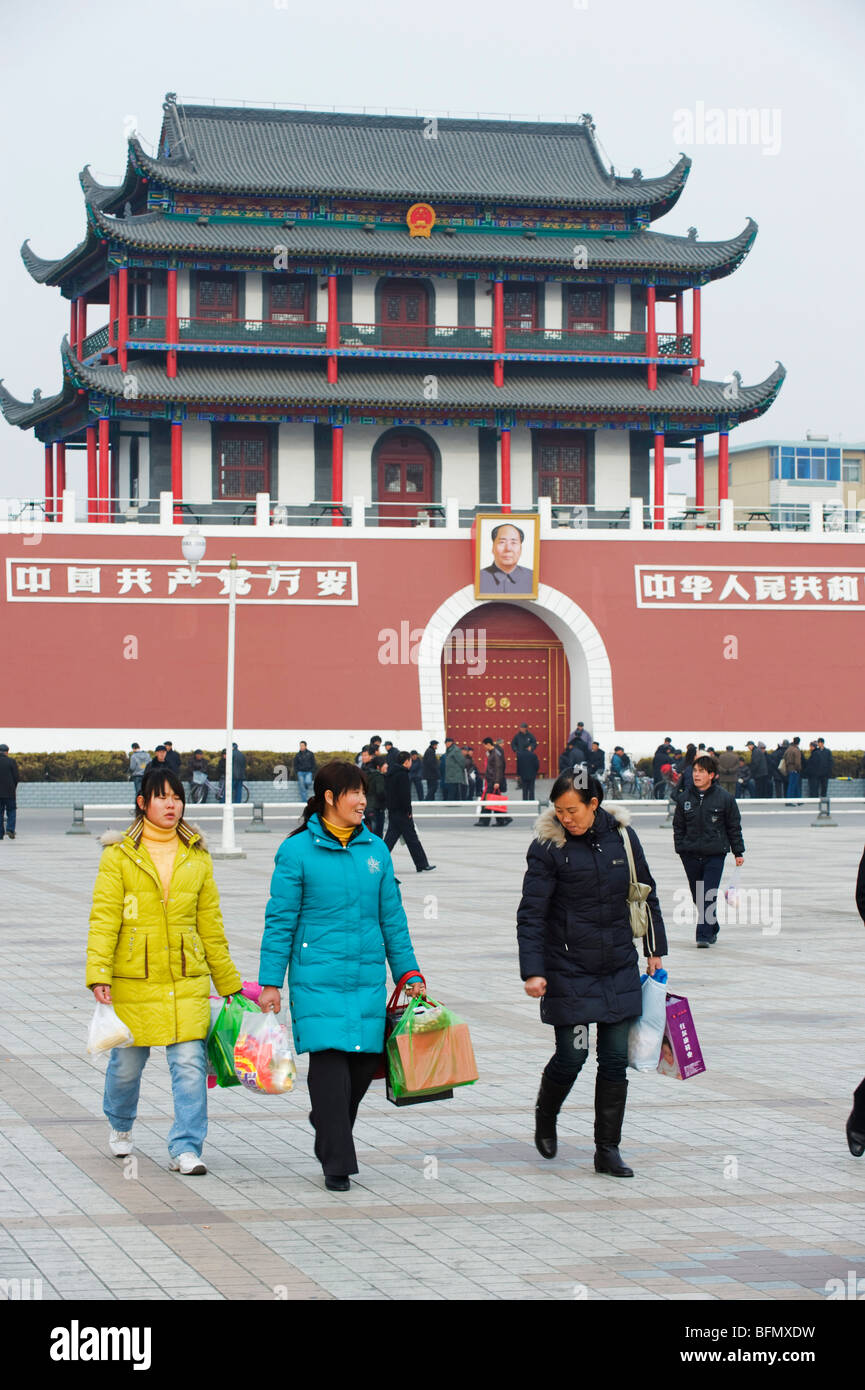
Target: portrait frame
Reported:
point(529, 560)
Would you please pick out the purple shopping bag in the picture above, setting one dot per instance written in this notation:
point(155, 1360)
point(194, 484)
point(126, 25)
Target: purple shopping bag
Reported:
point(681, 1055)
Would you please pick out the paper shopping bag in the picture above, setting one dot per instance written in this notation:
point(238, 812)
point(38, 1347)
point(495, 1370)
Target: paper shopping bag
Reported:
point(681, 1055)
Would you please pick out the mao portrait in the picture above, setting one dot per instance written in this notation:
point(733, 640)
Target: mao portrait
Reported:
point(507, 557)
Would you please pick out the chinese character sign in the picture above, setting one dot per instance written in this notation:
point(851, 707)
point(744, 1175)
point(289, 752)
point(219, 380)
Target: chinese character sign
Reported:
point(299, 582)
point(760, 586)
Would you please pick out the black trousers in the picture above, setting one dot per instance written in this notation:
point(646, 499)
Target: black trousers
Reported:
point(859, 1108)
point(528, 790)
point(572, 1049)
point(338, 1082)
point(399, 824)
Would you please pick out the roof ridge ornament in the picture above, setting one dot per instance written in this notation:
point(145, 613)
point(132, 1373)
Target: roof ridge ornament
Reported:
point(692, 233)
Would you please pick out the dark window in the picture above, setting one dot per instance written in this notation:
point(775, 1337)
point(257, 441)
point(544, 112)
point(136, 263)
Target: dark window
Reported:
point(242, 461)
point(587, 308)
point(404, 314)
point(289, 299)
point(561, 460)
point(217, 298)
point(133, 468)
point(520, 307)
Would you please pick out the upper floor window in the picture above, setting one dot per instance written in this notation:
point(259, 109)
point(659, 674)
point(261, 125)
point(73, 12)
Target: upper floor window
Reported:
point(520, 307)
point(242, 460)
point(404, 313)
point(560, 456)
point(806, 463)
point(289, 298)
point(216, 297)
point(851, 471)
point(586, 308)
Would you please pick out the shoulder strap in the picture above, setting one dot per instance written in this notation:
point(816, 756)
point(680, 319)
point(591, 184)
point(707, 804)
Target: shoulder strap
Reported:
point(629, 851)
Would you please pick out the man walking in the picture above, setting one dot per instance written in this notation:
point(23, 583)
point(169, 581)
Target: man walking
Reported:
point(399, 817)
point(304, 770)
point(9, 779)
point(138, 761)
point(430, 761)
point(706, 825)
point(494, 782)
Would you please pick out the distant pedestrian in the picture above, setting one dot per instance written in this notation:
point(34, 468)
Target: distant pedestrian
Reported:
point(9, 779)
point(745, 784)
point(198, 776)
point(455, 772)
point(528, 767)
point(760, 769)
point(596, 760)
point(572, 755)
point(138, 760)
point(791, 765)
point(237, 774)
point(821, 768)
point(523, 741)
point(304, 770)
point(856, 1119)
point(728, 768)
point(473, 774)
point(663, 755)
point(376, 799)
point(495, 783)
point(775, 759)
point(399, 815)
point(172, 759)
point(706, 826)
point(431, 769)
point(159, 759)
point(415, 775)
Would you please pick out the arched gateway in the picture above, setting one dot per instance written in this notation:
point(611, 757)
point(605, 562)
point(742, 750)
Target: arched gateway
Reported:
point(584, 663)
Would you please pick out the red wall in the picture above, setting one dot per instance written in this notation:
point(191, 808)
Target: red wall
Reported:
point(63, 663)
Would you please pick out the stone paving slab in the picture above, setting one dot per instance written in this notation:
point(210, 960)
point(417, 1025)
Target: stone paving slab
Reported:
point(745, 1189)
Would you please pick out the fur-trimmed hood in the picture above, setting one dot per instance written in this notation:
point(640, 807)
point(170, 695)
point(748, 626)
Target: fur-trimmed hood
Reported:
point(549, 829)
point(187, 831)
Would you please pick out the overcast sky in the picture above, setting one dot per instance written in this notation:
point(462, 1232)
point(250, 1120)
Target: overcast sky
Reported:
point(76, 81)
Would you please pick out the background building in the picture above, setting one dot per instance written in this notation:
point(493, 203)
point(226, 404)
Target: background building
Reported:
point(784, 476)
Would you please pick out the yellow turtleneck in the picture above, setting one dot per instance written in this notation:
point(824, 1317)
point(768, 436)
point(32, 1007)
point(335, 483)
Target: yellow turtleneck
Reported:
point(162, 846)
point(342, 832)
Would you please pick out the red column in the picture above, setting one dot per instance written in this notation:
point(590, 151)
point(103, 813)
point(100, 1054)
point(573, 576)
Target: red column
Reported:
point(680, 315)
point(336, 473)
point(332, 332)
point(49, 481)
point(177, 466)
point(700, 471)
point(112, 309)
point(659, 480)
point(506, 470)
point(171, 329)
point(695, 333)
point(651, 336)
point(92, 480)
point(104, 484)
point(61, 477)
point(723, 467)
point(498, 331)
point(73, 324)
point(122, 315)
point(82, 323)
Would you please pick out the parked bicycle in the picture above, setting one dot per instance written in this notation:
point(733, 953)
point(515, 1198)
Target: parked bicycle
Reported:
point(202, 788)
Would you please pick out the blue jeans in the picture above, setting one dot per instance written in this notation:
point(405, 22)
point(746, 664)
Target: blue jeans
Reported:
point(304, 784)
point(570, 1055)
point(188, 1067)
point(9, 809)
point(794, 782)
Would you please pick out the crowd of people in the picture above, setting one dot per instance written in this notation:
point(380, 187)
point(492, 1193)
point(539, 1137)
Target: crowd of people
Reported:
point(780, 772)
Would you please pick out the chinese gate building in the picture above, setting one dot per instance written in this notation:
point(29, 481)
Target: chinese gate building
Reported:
point(331, 342)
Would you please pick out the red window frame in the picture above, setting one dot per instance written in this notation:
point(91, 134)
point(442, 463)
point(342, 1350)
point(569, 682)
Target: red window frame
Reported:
point(581, 318)
point(520, 317)
point(564, 479)
point(291, 314)
point(216, 312)
point(246, 470)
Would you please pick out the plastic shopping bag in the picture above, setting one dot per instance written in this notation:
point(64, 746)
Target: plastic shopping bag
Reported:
point(262, 1054)
point(731, 892)
point(429, 1050)
point(220, 1044)
point(251, 990)
point(107, 1030)
point(647, 1032)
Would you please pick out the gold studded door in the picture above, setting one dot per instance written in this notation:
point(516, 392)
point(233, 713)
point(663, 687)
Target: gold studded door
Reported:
point(502, 666)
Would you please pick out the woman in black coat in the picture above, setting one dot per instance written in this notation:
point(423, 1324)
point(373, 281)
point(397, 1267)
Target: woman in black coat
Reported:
point(577, 954)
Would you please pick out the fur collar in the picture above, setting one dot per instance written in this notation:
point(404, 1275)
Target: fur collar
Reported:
point(549, 829)
point(187, 832)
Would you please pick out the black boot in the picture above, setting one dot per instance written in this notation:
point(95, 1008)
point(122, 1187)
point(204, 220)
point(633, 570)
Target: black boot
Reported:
point(551, 1098)
point(610, 1099)
point(855, 1136)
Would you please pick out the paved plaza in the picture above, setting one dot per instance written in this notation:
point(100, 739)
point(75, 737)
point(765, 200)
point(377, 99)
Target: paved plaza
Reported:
point(745, 1188)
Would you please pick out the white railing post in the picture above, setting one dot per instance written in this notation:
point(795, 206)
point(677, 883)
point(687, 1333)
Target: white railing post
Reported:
point(545, 517)
point(815, 519)
point(452, 513)
point(166, 509)
point(358, 513)
point(635, 514)
point(262, 511)
point(727, 514)
point(68, 507)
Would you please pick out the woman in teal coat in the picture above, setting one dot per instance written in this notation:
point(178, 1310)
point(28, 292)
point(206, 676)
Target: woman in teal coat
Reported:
point(334, 915)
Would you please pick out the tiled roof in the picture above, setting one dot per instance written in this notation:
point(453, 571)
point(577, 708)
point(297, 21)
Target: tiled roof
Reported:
point(554, 389)
point(240, 149)
point(43, 270)
point(638, 250)
point(27, 413)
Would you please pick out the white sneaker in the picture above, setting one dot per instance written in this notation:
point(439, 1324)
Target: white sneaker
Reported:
point(120, 1142)
point(190, 1164)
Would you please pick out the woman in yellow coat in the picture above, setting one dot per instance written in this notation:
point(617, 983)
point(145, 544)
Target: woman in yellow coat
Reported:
point(156, 939)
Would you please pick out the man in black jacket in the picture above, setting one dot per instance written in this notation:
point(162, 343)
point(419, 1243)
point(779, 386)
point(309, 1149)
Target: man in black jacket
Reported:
point(397, 791)
point(430, 761)
point(494, 782)
point(706, 824)
point(9, 779)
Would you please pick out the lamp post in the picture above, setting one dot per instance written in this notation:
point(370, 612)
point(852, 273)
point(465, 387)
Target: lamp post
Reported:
point(194, 546)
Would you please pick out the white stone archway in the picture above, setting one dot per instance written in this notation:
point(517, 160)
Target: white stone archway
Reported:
point(590, 670)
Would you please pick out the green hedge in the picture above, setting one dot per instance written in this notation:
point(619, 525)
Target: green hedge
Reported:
point(847, 762)
point(97, 765)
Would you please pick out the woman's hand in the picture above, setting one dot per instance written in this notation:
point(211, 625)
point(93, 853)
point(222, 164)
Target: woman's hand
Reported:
point(414, 990)
point(102, 994)
point(535, 986)
point(270, 1001)
point(654, 963)
point(740, 859)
